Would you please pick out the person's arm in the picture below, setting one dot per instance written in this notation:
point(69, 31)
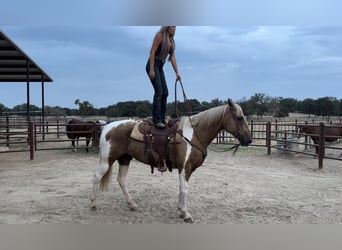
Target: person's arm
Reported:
point(174, 65)
point(156, 41)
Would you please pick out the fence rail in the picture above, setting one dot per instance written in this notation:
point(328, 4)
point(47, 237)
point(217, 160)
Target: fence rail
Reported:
point(285, 138)
point(279, 137)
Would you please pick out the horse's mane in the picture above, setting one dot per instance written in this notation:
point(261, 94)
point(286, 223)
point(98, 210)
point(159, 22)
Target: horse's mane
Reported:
point(209, 115)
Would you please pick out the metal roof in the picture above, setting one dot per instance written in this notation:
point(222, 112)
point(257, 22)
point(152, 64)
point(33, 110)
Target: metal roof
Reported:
point(14, 64)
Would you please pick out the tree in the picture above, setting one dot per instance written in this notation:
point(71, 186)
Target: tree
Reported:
point(326, 106)
point(2, 108)
point(259, 103)
point(85, 107)
point(308, 106)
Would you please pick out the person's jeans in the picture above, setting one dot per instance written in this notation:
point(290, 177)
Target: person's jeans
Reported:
point(160, 92)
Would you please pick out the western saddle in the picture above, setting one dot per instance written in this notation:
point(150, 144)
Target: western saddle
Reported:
point(156, 142)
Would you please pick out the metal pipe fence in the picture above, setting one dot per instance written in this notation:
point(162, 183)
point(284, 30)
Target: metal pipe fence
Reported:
point(18, 135)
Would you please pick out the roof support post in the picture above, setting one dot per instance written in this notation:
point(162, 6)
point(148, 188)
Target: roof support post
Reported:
point(28, 90)
point(43, 107)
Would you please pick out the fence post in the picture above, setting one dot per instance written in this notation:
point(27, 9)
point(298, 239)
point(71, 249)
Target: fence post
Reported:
point(252, 128)
point(306, 141)
point(31, 140)
point(321, 148)
point(57, 129)
point(42, 124)
point(7, 131)
point(268, 137)
point(96, 135)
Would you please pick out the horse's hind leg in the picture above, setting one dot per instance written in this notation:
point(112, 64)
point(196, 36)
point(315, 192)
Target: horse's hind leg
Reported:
point(122, 174)
point(87, 144)
point(99, 173)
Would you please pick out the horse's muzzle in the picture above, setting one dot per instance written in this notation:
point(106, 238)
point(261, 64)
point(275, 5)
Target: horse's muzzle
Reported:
point(245, 141)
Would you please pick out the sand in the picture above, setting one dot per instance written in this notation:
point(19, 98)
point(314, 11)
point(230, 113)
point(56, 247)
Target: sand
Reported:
point(250, 187)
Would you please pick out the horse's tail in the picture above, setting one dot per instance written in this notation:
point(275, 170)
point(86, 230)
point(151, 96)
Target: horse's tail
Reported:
point(105, 180)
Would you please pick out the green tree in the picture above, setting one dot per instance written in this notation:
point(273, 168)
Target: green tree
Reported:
point(259, 102)
point(2, 108)
point(85, 107)
point(326, 106)
point(308, 106)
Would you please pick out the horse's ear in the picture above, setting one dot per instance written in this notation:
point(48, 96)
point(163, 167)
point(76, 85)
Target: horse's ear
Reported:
point(231, 105)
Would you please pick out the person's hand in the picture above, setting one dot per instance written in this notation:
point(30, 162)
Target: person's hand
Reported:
point(178, 77)
point(152, 74)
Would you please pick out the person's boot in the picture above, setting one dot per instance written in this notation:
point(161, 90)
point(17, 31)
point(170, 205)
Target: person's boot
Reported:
point(159, 125)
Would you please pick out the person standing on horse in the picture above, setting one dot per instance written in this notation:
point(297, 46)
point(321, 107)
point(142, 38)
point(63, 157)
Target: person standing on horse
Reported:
point(163, 45)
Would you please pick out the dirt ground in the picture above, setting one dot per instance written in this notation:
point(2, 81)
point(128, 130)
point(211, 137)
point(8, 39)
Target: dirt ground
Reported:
point(250, 187)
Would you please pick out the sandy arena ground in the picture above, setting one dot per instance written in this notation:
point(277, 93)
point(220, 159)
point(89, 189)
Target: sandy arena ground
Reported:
point(249, 187)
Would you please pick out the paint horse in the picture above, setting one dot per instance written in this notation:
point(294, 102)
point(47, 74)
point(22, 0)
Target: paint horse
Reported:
point(196, 133)
point(332, 133)
point(78, 128)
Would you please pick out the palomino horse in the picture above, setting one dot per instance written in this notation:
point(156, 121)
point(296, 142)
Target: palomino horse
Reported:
point(197, 132)
point(332, 133)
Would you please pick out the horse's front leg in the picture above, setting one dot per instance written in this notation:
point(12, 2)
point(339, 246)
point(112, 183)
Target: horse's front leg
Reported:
point(182, 198)
point(73, 145)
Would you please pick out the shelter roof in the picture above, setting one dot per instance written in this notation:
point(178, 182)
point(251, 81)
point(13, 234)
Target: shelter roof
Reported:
point(13, 64)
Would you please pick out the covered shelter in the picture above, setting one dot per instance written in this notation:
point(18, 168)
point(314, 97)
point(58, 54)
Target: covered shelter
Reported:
point(16, 66)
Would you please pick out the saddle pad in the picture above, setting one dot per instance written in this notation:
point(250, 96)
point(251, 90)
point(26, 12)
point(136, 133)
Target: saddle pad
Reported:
point(137, 135)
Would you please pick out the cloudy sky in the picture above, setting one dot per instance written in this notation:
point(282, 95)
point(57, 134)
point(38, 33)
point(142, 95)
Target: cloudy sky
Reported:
point(105, 63)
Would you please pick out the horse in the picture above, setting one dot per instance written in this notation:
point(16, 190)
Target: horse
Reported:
point(332, 132)
point(196, 133)
point(78, 128)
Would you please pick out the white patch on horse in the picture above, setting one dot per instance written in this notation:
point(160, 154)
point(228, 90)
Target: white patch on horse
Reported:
point(182, 198)
point(187, 133)
point(103, 164)
point(183, 191)
point(105, 145)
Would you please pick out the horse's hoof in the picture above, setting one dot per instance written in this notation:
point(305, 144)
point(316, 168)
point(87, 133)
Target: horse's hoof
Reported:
point(189, 220)
point(133, 208)
point(93, 208)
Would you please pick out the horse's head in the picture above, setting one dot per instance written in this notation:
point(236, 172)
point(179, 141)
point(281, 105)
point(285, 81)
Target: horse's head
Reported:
point(236, 124)
point(300, 129)
point(306, 129)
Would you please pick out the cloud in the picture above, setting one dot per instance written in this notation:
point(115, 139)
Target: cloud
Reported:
point(107, 64)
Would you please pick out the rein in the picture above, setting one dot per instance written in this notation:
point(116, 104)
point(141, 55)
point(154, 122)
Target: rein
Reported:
point(211, 147)
point(186, 101)
point(217, 149)
point(184, 98)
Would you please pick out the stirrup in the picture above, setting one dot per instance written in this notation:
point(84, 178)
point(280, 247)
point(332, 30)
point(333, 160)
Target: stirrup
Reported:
point(162, 167)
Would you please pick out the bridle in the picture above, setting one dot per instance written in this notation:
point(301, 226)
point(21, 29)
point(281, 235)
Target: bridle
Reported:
point(236, 120)
point(235, 147)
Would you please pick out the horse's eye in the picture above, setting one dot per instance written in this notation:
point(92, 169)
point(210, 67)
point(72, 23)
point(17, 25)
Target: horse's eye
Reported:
point(240, 118)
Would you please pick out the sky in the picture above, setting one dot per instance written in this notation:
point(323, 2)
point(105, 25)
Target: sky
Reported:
point(103, 60)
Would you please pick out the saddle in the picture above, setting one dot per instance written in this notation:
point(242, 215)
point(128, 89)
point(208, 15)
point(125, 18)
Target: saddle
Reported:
point(156, 143)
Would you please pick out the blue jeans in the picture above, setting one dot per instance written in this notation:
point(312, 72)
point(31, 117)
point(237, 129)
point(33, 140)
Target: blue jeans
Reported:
point(160, 91)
